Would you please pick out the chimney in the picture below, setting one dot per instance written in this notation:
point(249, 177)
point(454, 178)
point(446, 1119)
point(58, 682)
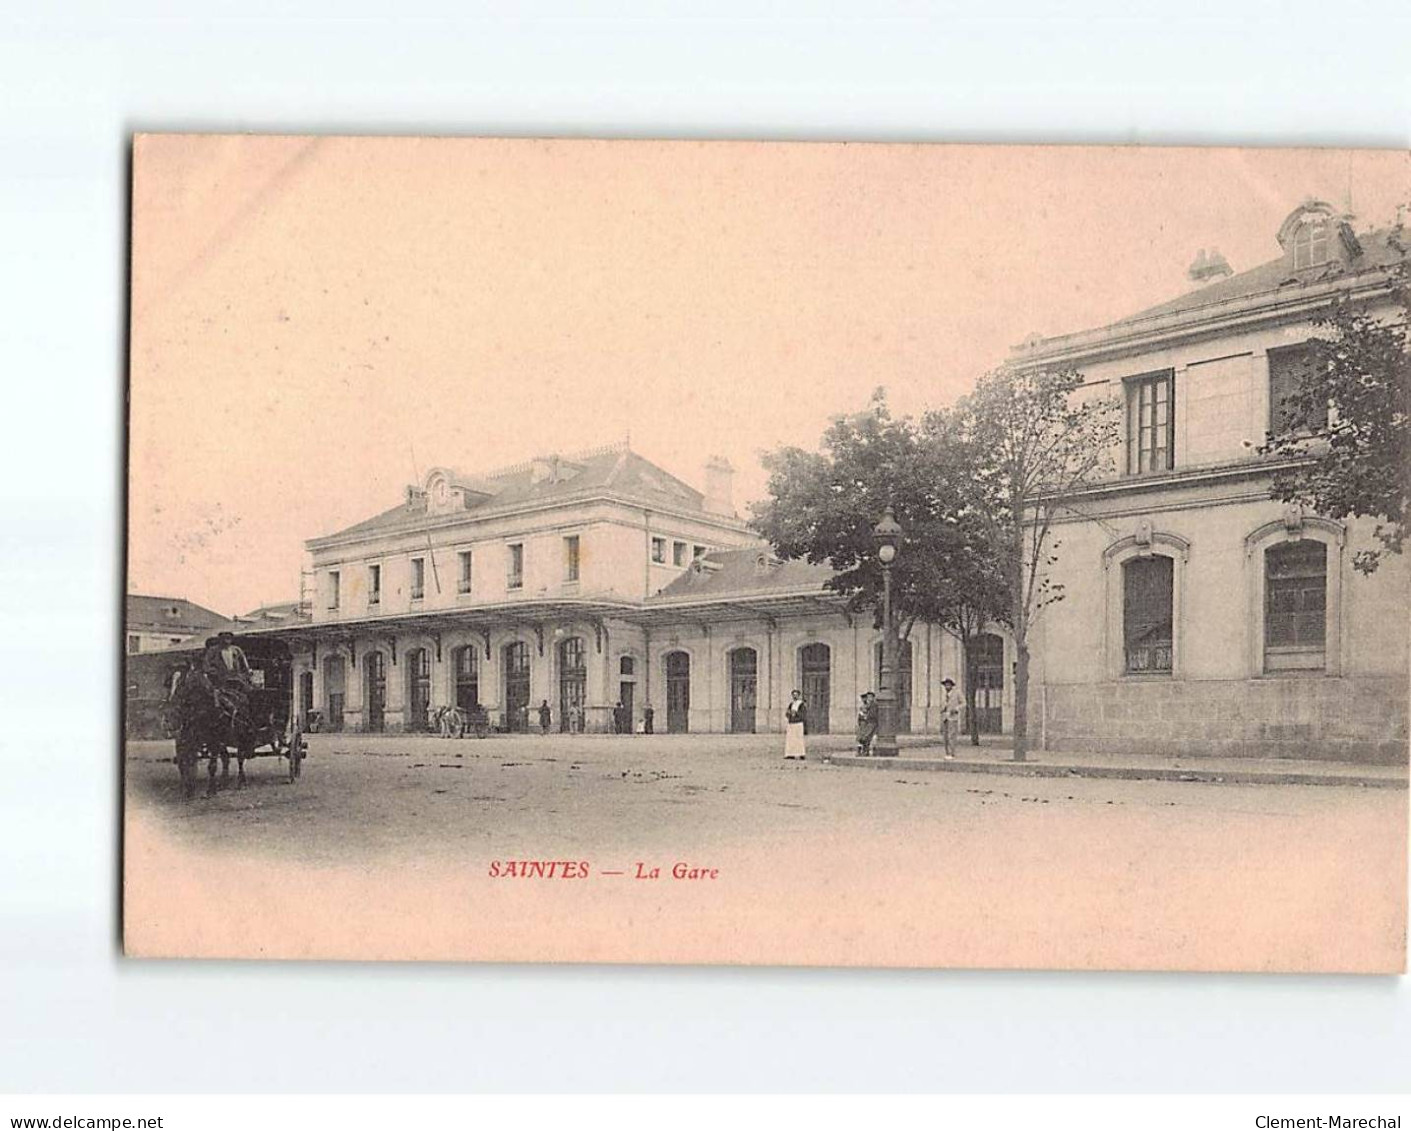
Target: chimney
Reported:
point(1208, 267)
point(719, 486)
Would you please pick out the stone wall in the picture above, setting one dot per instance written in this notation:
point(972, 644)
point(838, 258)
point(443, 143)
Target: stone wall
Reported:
point(1354, 719)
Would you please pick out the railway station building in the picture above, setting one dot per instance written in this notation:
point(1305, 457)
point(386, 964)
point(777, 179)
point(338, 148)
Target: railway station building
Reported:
point(586, 582)
point(1200, 617)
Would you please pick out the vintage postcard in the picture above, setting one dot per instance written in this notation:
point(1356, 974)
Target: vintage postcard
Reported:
point(807, 554)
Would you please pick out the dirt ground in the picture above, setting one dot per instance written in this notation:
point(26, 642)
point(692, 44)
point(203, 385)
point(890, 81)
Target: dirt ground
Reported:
point(400, 846)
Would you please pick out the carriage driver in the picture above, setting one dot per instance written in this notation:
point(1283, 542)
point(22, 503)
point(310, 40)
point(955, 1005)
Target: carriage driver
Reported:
point(229, 672)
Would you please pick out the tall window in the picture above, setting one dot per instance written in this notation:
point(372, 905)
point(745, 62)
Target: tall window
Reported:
point(514, 578)
point(1151, 423)
point(570, 558)
point(418, 578)
point(463, 586)
point(1295, 606)
point(659, 550)
point(374, 585)
point(1289, 370)
point(467, 663)
point(1311, 245)
point(333, 588)
point(678, 553)
point(1146, 614)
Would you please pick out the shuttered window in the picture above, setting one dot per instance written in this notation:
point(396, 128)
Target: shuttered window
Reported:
point(1295, 605)
point(1289, 371)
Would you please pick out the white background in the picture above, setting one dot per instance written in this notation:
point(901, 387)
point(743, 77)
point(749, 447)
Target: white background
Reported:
point(77, 80)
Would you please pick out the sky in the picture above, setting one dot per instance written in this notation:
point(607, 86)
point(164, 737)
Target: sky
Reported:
point(317, 321)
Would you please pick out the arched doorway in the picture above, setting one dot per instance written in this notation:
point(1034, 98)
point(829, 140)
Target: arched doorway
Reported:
point(985, 665)
point(375, 664)
point(466, 662)
point(418, 664)
point(627, 689)
point(516, 664)
point(335, 692)
point(573, 683)
point(678, 692)
point(306, 698)
point(815, 668)
point(744, 689)
point(903, 683)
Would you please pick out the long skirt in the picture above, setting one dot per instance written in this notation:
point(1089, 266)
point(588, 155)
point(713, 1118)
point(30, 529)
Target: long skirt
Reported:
point(793, 740)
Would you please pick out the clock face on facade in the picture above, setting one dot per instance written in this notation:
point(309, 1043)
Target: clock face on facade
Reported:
point(441, 491)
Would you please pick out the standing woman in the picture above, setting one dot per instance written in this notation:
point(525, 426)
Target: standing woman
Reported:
point(795, 720)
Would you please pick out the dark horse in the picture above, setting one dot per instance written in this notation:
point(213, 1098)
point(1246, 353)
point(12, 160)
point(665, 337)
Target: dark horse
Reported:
point(210, 723)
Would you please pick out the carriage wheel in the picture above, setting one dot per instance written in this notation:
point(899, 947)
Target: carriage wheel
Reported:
point(297, 752)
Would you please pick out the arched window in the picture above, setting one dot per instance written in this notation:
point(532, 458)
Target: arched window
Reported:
point(334, 691)
point(467, 668)
point(375, 694)
point(1295, 606)
point(627, 666)
point(815, 679)
point(678, 692)
point(418, 667)
point(1148, 615)
point(1311, 245)
point(984, 667)
point(1294, 572)
point(573, 683)
point(515, 664)
point(744, 685)
point(1145, 580)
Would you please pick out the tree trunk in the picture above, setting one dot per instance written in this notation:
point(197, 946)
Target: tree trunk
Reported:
point(1021, 701)
point(1021, 637)
point(971, 717)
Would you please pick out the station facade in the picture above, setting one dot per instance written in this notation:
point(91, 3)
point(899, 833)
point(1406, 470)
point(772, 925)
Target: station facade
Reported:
point(601, 586)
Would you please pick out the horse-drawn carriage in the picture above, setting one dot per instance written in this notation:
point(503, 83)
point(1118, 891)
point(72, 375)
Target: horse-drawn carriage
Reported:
point(213, 711)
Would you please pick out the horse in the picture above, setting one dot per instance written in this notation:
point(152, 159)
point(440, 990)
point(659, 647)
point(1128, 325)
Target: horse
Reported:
point(210, 723)
point(450, 721)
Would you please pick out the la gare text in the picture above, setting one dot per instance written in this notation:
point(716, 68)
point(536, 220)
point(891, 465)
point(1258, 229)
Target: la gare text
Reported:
point(582, 870)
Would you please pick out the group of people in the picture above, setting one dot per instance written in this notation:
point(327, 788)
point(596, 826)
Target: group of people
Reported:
point(796, 723)
point(575, 720)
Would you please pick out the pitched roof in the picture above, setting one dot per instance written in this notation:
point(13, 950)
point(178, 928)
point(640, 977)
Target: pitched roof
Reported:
point(174, 615)
point(750, 572)
point(615, 470)
point(1376, 251)
point(292, 612)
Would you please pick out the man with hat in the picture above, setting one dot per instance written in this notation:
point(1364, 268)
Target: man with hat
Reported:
point(229, 672)
point(950, 716)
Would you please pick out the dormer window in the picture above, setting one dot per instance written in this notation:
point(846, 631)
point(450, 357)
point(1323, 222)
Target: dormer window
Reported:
point(1311, 245)
point(1315, 233)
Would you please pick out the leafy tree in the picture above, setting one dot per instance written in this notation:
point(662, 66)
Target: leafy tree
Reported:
point(823, 506)
point(975, 593)
point(1037, 437)
point(1349, 419)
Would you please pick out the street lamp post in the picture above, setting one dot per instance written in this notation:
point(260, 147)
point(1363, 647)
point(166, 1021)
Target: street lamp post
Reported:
point(888, 536)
